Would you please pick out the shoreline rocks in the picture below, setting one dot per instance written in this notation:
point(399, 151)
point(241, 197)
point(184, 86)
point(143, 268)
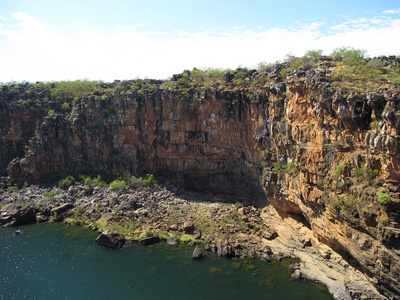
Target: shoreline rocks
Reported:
point(225, 229)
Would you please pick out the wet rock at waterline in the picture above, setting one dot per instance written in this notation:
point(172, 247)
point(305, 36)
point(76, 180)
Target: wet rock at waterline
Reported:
point(198, 254)
point(172, 240)
point(150, 240)
point(112, 239)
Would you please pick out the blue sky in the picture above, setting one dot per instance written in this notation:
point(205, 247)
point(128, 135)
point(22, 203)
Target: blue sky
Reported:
point(44, 40)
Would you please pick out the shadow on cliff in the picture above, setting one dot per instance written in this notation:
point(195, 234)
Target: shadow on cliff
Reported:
point(225, 188)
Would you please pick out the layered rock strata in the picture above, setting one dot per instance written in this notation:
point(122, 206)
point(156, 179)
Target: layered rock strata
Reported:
point(326, 152)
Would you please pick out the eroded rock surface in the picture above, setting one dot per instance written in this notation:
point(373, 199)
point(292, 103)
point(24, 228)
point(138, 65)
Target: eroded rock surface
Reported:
point(319, 150)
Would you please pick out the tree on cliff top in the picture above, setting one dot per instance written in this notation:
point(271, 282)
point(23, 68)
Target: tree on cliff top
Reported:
point(348, 55)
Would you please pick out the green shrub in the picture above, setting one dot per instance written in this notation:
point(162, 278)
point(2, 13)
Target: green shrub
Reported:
point(279, 168)
point(348, 55)
point(349, 202)
point(314, 54)
point(359, 172)
point(99, 182)
point(149, 179)
point(65, 106)
point(86, 180)
point(66, 182)
point(283, 73)
point(282, 168)
point(383, 198)
point(184, 81)
point(135, 182)
point(395, 80)
point(339, 169)
point(374, 125)
point(118, 184)
point(70, 89)
point(366, 174)
point(237, 204)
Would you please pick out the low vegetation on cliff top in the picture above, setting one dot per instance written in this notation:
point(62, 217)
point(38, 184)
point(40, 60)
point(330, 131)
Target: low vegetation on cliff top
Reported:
point(346, 68)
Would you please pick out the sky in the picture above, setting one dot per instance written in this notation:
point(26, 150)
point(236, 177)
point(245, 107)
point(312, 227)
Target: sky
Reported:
point(52, 40)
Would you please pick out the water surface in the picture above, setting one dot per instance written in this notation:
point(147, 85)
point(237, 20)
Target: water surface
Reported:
point(54, 261)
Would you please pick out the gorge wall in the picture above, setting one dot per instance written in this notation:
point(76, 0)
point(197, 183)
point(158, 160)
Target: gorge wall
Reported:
point(302, 143)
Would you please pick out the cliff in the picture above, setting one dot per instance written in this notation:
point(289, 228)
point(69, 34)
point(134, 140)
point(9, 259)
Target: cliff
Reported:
point(317, 141)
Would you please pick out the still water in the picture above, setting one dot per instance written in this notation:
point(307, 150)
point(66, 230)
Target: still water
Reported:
point(53, 261)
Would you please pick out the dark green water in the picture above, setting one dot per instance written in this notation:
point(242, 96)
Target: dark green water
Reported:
point(52, 261)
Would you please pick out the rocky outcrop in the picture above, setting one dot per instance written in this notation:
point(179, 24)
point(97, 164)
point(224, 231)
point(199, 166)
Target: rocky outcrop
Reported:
point(323, 150)
point(15, 213)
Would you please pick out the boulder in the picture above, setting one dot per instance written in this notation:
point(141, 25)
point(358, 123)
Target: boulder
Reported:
point(62, 208)
point(188, 227)
point(198, 254)
point(150, 240)
point(197, 234)
point(111, 239)
point(252, 253)
point(16, 214)
point(296, 275)
point(265, 257)
point(173, 227)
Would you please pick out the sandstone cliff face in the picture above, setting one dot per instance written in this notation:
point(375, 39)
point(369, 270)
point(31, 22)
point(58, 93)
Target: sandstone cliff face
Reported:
point(18, 121)
point(305, 145)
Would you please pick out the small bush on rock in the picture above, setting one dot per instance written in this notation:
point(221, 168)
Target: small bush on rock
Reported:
point(118, 184)
point(149, 180)
point(136, 182)
point(99, 182)
point(66, 182)
point(383, 198)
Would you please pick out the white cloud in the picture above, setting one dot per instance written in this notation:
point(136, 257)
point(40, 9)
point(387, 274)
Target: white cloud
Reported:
point(392, 11)
point(32, 51)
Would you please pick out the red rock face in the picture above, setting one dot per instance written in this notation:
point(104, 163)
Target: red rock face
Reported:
point(281, 145)
point(203, 140)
